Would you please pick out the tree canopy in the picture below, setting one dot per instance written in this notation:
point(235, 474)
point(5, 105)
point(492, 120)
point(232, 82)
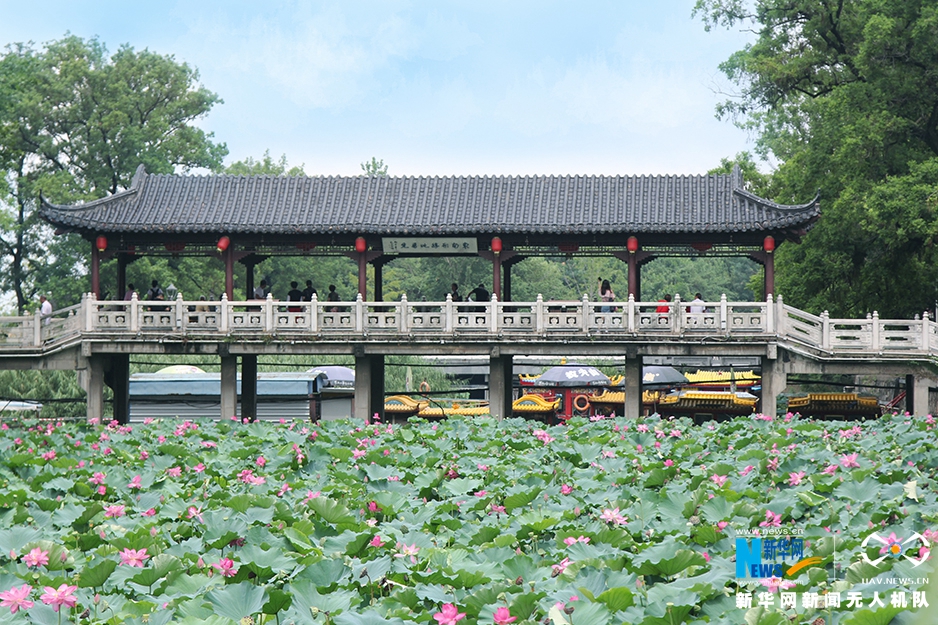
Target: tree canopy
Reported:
point(844, 95)
point(75, 122)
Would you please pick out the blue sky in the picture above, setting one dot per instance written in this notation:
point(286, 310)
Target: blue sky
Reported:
point(433, 87)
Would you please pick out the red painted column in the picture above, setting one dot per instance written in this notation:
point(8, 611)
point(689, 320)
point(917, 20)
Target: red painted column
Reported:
point(769, 274)
point(363, 275)
point(633, 275)
point(229, 273)
point(497, 276)
point(95, 265)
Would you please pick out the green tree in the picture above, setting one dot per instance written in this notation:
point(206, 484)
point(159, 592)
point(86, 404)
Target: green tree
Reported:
point(375, 167)
point(264, 167)
point(74, 125)
point(844, 95)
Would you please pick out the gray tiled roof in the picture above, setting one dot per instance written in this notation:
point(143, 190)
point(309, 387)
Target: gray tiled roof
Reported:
point(456, 205)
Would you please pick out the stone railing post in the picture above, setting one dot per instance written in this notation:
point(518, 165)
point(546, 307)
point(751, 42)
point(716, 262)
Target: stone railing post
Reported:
point(180, 309)
point(825, 331)
point(539, 315)
point(90, 309)
point(926, 331)
point(360, 314)
point(134, 311)
point(37, 328)
point(586, 309)
point(493, 314)
point(780, 328)
point(404, 320)
point(223, 314)
point(875, 339)
point(449, 315)
point(314, 313)
point(630, 312)
point(769, 315)
point(723, 313)
point(269, 313)
point(676, 325)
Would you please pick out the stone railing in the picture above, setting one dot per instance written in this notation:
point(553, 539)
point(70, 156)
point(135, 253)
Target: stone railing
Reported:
point(468, 321)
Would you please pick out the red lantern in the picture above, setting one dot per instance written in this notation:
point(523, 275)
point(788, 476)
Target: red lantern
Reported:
point(101, 242)
point(360, 245)
point(769, 244)
point(701, 247)
point(632, 244)
point(223, 244)
point(306, 246)
point(174, 246)
point(131, 249)
point(496, 244)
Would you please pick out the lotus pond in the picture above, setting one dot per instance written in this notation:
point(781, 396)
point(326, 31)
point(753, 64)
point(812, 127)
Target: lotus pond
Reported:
point(468, 521)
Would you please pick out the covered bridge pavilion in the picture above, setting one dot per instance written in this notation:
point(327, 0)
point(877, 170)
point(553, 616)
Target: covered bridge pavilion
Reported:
point(376, 219)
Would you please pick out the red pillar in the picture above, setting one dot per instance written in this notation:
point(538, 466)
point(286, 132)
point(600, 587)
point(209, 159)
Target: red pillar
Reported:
point(633, 275)
point(95, 263)
point(497, 276)
point(769, 274)
point(362, 275)
point(229, 272)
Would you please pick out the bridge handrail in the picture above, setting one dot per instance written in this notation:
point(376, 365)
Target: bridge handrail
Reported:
point(581, 318)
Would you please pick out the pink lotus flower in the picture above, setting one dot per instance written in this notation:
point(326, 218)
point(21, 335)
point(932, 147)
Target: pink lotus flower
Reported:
point(482, 467)
point(892, 546)
point(449, 615)
point(747, 470)
point(774, 583)
point(284, 490)
point(97, 478)
point(480, 493)
point(134, 557)
point(848, 461)
point(199, 468)
point(225, 566)
point(150, 512)
point(570, 540)
point(613, 516)
point(311, 495)
point(830, 469)
point(36, 558)
point(722, 525)
point(566, 489)
point(503, 617)
point(408, 551)
point(669, 463)
point(261, 461)
point(49, 455)
point(16, 598)
point(719, 480)
point(771, 520)
point(135, 483)
point(209, 444)
point(114, 511)
point(195, 513)
point(795, 478)
point(358, 454)
point(561, 566)
point(373, 506)
point(377, 542)
point(57, 597)
point(498, 509)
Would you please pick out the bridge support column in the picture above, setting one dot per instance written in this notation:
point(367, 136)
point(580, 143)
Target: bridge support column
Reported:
point(369, 386)
point(120, 384)
point(917, 394)
point(774, 381)
point(229, 386)
point(633, 387)
point(249, 387)
point(95, 389)
point(501, 373)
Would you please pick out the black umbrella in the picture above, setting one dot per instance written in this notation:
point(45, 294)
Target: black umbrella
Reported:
point(335, 376)
point(662, 377)
point(573, 375)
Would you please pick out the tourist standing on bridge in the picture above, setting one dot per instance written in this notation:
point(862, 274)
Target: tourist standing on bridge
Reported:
point(480, 294)
point(606, 295)
point(294, 295)
point(454, 293)
point(261, 291)
point(131, 291)
point(332, 297)
point(664, 304)
point(45, 310)
point(697, 305)
point(309, 291)
point(155, 291)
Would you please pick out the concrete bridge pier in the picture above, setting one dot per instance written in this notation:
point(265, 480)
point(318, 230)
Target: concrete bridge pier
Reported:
point(369, 386)
point(249, 386)
point(501, 369)
point(114, 371)
point(229, 386)
point(94, 387)
point(916, 395)
point(774, 381)
point(633, 386)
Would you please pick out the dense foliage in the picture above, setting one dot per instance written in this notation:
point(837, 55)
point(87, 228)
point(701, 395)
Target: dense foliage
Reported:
point(844, 95)
point(460, 521)
point(75, 122)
